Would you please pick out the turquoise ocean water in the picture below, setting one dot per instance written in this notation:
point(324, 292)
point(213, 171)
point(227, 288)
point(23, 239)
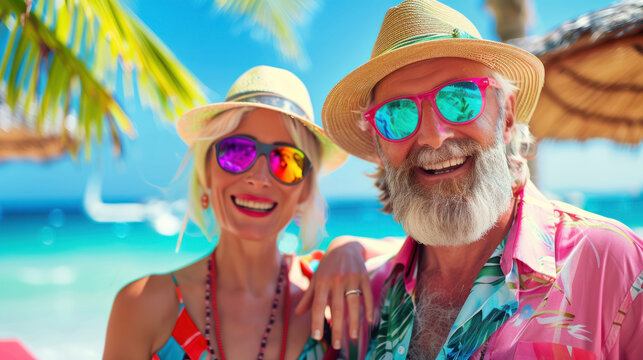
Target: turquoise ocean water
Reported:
point(59, 271)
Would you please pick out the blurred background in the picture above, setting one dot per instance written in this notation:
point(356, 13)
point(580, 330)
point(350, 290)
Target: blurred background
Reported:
point(91, 192)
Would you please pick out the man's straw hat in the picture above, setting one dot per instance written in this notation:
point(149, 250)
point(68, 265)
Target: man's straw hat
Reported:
point(270, 88)
point(413, 31)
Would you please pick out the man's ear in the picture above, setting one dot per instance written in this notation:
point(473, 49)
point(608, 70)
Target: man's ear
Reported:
point(378, 156)
point(510, 116)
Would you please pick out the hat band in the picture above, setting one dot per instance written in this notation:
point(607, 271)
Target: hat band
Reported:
point(457, 33)
point(270, 99)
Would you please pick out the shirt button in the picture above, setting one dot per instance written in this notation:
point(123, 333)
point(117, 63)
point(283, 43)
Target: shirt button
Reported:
point(400, 349)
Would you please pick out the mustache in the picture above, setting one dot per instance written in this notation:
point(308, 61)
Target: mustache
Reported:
point(451, 148)
point(453, 211)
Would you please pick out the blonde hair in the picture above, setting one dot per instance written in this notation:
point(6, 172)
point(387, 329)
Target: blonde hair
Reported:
point(313, 210)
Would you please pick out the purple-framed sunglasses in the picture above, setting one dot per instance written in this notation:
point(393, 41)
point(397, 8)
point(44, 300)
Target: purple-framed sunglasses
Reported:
point(238, 153)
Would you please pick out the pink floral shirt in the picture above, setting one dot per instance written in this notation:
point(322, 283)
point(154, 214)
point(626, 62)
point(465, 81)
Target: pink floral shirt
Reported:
point(576, 277)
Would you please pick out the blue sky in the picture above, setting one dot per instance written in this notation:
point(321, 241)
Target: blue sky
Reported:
point(339, 36)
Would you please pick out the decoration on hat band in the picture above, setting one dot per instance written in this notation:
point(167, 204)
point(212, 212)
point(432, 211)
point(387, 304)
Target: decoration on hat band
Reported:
point(457, 33)
point(270, 99)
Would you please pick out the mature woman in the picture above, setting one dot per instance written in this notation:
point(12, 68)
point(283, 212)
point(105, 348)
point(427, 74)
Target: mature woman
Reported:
point(256, 159)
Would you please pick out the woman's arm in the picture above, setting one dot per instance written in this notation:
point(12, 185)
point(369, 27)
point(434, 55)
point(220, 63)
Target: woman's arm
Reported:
point(136, 320)
point(341, 269)
point(369, 248)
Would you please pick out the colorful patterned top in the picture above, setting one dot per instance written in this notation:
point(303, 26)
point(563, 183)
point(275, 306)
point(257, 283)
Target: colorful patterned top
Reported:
point(187, 342)
point(565, 284)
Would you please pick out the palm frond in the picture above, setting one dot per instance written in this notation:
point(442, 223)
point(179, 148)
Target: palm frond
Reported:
point(279, 18)
point(66, 57)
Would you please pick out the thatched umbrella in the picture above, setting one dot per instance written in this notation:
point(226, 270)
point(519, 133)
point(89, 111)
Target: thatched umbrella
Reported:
point(594, 76)
point(19, 138)
point(22, 143)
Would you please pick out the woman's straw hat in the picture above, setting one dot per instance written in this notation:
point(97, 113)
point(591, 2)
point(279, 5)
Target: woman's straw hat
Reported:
point(413, 31)
point(270, 88)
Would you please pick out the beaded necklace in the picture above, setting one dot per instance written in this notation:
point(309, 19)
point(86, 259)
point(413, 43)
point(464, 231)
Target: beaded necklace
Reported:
point(211, 297)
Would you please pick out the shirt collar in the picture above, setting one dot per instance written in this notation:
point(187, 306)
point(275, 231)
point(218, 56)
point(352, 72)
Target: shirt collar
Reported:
point(531, 238)
point(530, 241)
point(406, 261)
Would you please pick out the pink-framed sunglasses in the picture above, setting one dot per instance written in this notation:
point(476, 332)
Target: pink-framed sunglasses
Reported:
point(457, 102)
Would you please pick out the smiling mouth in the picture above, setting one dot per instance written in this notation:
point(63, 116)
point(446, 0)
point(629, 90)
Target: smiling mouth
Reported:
point(444, 167)
point(252, 205)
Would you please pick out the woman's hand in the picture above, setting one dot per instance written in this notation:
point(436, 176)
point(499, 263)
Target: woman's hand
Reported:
point(340, 270)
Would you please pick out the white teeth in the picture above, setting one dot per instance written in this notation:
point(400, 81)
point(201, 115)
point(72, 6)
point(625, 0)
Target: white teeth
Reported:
point(447, 163)
point(254, 205)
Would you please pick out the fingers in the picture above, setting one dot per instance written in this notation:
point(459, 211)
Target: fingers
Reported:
point(341, 270)
point(353, 302)
point(319, 301)
point(337, 310)
point(367, 293)
point(306, 301)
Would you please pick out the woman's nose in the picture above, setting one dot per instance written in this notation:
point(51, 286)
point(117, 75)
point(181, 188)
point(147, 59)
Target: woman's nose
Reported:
point(259, 174)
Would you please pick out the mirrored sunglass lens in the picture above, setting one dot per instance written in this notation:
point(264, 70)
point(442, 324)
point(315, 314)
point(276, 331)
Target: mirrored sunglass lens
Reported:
point(397, 119)
point(288, 164)
point(236, 154)
point(459, 102)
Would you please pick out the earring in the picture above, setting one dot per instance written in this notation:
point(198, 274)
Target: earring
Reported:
point(298, 215)
point(205, 201)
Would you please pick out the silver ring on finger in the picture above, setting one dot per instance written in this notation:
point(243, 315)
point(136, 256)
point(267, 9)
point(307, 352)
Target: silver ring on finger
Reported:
point(354, 291)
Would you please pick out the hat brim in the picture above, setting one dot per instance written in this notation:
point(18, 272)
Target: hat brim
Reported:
point(342, 111)
point(190, 125)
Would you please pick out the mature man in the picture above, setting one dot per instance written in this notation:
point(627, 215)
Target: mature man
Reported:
point(491, 269)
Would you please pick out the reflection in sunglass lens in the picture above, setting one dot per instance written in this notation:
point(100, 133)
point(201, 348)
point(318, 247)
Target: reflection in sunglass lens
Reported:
point(397, 119)
point(236, 154)
point(459, 102)
point(288, 164)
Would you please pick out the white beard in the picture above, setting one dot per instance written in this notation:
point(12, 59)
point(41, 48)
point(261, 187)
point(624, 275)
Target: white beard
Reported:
point(457, 211)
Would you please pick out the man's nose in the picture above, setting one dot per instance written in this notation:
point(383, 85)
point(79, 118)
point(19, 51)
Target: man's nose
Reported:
point(259, 174)
point(433, 130)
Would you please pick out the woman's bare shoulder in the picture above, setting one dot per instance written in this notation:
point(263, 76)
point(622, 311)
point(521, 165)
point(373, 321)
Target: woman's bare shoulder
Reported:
point(141, 316)
point(151, 293)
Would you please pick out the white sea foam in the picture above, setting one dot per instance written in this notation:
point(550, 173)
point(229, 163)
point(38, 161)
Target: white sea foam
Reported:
point(59, 275)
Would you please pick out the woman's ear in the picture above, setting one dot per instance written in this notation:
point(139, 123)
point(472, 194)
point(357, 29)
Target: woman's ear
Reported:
point(206, 168)
point(207, 177)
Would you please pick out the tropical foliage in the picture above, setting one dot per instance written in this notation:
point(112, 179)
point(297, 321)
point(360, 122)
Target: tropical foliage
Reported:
point(279, 18)
point(63, 59)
